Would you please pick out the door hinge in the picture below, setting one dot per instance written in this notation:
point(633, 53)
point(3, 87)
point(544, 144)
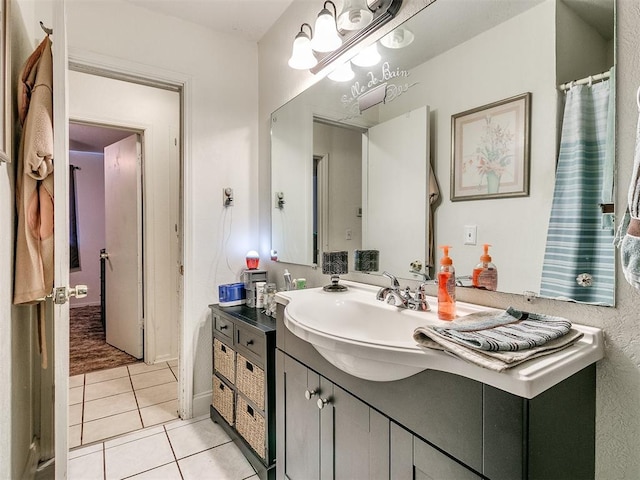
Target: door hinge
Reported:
point(181, 269)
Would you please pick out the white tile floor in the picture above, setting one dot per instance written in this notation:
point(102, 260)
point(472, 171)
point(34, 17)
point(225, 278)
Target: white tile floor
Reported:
point(193, 449)
point(112, 402)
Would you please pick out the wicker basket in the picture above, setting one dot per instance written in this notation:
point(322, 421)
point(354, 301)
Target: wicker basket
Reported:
point(223, 360)
point(223, 399)
point(250, 381)
point(251, 425)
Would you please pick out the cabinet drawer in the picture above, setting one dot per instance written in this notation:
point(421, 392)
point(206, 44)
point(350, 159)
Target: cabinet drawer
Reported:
point(223, 327)
point(223, 399)
point(251, 425)
point(224, 360)
point(253, 341)
point(250, 380)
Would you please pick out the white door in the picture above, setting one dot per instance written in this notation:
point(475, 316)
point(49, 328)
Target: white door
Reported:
point(123, 244)
point(397, 170)
point(60, 238)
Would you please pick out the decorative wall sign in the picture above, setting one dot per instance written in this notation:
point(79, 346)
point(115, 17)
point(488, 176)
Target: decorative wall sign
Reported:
point(490, 150)
point(382, 86)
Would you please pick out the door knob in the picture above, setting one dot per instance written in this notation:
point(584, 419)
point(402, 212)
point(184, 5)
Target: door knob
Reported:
point(61, 295)
point(104, 255)
point(309, 394)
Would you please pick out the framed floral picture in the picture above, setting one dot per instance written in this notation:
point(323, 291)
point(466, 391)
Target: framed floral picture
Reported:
point(490, 150)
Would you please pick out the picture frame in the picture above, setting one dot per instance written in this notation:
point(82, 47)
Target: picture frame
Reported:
point(490, 150)
point(5, 84)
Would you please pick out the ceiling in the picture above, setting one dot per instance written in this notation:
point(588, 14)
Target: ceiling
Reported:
point(250, 19)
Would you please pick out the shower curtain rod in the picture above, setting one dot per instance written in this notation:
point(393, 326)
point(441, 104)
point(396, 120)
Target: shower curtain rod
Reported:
point(585, 81)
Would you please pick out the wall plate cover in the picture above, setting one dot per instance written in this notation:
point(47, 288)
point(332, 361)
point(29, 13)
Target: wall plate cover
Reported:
point(470, 234)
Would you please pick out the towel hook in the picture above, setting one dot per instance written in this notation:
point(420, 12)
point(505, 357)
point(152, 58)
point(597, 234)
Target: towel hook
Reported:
point(47, 30)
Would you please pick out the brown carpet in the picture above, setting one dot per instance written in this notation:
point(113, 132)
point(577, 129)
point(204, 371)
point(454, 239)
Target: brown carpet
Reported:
point(88, 349)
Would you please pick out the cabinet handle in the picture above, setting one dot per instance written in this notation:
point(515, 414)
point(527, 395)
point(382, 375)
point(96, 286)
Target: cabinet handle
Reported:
point(223, 327)
point(309, 394)
point(249, 342)
point(322, 402)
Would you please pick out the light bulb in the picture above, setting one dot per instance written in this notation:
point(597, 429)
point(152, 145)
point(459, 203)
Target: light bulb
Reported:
point(302, 57)
point(354, 16)
point(367, 57)
point(326, 37)
point(343, 73)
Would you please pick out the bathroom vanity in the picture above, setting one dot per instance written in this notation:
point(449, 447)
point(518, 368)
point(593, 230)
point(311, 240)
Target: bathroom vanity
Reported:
point(243, 400)
point(432, 424)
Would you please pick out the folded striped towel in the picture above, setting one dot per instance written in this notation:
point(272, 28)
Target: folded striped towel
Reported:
point(510, 330)
point(499, 340)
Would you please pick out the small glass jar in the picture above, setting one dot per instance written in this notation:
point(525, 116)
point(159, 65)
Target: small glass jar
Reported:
point(270, 291)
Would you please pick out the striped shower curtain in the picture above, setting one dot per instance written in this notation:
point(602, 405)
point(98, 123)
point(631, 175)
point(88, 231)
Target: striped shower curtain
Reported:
point(579, 256)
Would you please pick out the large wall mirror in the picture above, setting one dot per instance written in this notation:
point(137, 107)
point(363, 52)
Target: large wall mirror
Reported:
point(367, 163)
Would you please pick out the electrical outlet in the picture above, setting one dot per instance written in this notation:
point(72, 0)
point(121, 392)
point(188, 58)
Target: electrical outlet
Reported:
point(470, 234)
point(227, 197)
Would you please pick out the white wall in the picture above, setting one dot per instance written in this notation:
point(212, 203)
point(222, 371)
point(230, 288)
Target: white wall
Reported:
point(220, 140)
point(618, 377)
point(90, 221)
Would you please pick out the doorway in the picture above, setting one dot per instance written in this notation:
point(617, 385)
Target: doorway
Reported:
point(99, 209)
point(144, 124)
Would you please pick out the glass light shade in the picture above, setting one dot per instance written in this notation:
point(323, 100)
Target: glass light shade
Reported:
point(367, 57)
point(355, 15)
point(302, 57)
point(398, 38)
point(326, 37)
point(253, 259)
point(343, 73)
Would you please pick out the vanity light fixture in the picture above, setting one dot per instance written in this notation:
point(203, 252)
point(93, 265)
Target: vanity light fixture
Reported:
point(367, 57)
point(355, 15)
point(326, 38)
point(328, 43)
point(343, 73)
point(302, 57)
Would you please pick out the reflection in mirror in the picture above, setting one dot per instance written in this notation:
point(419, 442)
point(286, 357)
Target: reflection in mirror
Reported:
point(465, 54)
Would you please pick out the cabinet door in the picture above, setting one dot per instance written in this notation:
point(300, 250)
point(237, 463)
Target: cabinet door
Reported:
point(357, 438)
point(414, 459)
point(301, 422)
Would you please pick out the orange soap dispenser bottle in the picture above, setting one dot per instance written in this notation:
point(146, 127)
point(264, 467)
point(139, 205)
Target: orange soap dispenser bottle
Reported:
point(446, 287)
point(485, 273)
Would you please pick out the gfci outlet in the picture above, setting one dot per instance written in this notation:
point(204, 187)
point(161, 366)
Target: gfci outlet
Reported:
point(470, 234)
point(227, 197)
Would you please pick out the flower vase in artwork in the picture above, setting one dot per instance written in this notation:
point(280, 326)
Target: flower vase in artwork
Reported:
point(493, 182)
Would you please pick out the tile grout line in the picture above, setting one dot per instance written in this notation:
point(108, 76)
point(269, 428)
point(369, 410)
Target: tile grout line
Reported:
point(136, 399)
point(166, 432)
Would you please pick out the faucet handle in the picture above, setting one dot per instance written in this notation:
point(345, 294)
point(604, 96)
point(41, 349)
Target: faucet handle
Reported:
point(394, 280)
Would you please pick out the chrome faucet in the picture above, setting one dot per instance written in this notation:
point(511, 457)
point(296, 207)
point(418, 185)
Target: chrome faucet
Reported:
point(403, 298)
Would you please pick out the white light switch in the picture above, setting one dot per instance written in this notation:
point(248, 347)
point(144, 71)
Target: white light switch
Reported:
point(470, 234)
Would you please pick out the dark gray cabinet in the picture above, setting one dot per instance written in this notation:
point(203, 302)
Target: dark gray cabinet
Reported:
point(328, 433)
point(433, 425)
point(243, 400)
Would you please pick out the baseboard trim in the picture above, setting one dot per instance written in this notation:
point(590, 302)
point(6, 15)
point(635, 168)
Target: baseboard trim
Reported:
point(201, 403)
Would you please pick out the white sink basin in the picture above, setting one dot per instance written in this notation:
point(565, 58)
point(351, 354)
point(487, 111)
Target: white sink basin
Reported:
point(372, 340)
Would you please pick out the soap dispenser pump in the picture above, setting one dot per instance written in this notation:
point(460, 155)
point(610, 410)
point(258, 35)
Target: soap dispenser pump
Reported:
point(446, 287)
point(485, 273)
